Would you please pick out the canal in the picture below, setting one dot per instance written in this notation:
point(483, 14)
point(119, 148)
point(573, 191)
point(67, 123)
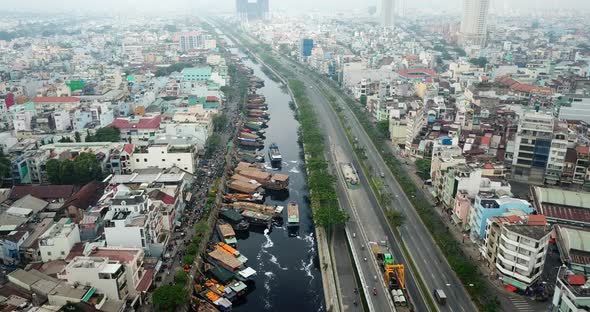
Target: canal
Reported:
point(288, 273)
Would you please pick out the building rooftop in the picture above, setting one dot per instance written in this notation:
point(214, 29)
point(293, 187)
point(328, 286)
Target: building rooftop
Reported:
point(30, 202)
point(150, 178)
point(197, 71)
point(141, 123)
point(63, 228)
point(562, 197)
point(576, 283)
point(535, 232)
point(44, 192)
point(56, 99)
point(38, 230)
point(574, 244)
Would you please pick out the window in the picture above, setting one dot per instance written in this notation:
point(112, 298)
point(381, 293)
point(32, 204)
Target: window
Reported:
point(145, 160)
point(63, 253)
point(49, 253)
point(178, 159)
point(104, 275)
point(163, 160)
point(137, 159)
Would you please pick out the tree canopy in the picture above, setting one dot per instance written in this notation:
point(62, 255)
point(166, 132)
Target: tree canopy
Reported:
point(219, 122)
point(106, 134)
point(423, 168)
point(5, 166)
point(170, 297)
point(479, 62)
point(383, 127)
point(83, 169)
point(172, 68)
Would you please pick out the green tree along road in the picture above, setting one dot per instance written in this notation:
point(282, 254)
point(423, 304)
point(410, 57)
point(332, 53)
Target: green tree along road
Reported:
point(212, 144)
point(383, 127)
point(395, 218)
point(181, 277)
point(219, 122)
point(83, 169)
point(423, 168)
point(170, 297)
point(321, 183)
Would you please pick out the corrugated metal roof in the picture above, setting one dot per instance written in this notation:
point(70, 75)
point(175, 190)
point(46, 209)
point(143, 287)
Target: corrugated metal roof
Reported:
point(563, 197)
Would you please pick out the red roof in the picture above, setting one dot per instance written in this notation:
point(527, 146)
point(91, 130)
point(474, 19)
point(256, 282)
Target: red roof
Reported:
point(583, 149)
point(128, 148)
point(121, 255)
point(485, 140)
point(536, 220)
point(144, 123)
point(56, 99)
point(146, 280)
point(522, 87)
point(45, 192)
point(565, 213)
point(417, 73)
point(576, 279)
point(87, 196)
point(488, 166)
point(165, 198)
point(212, 99)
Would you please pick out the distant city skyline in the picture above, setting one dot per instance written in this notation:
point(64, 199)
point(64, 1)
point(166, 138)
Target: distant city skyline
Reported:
point(130, 6)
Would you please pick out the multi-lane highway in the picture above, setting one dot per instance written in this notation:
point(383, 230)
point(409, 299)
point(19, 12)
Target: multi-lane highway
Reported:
point(432, 265)
point(367, 220)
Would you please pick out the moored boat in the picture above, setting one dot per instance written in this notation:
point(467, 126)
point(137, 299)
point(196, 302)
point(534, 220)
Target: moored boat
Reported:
point(226, 233)
point(274, 154)
point(292, 214)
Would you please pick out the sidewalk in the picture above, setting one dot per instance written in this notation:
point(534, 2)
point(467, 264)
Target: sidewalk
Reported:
point(508, 300)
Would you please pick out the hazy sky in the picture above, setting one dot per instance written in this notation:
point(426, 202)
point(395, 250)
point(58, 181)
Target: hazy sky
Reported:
point(228, 5)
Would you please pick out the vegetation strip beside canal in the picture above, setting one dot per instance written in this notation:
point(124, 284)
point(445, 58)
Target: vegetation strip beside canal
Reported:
point(321, 183)
point(466, 269)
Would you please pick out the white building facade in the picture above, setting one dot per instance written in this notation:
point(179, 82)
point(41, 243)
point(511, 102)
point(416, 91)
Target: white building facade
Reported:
point(58, 240)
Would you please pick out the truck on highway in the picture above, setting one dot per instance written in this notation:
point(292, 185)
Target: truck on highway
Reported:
point(393, 274)
point(440, 296)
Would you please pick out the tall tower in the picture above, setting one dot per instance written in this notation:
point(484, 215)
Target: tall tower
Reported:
point(401, 8)
point(252, 9)
point(242, 9)
point(474, 22)
point(388, 13)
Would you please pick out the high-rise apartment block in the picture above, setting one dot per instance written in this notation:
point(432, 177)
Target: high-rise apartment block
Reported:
point(191, 40)
point(252, 9)
point(474, 22)
point(388, 13)
point(532, 146)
